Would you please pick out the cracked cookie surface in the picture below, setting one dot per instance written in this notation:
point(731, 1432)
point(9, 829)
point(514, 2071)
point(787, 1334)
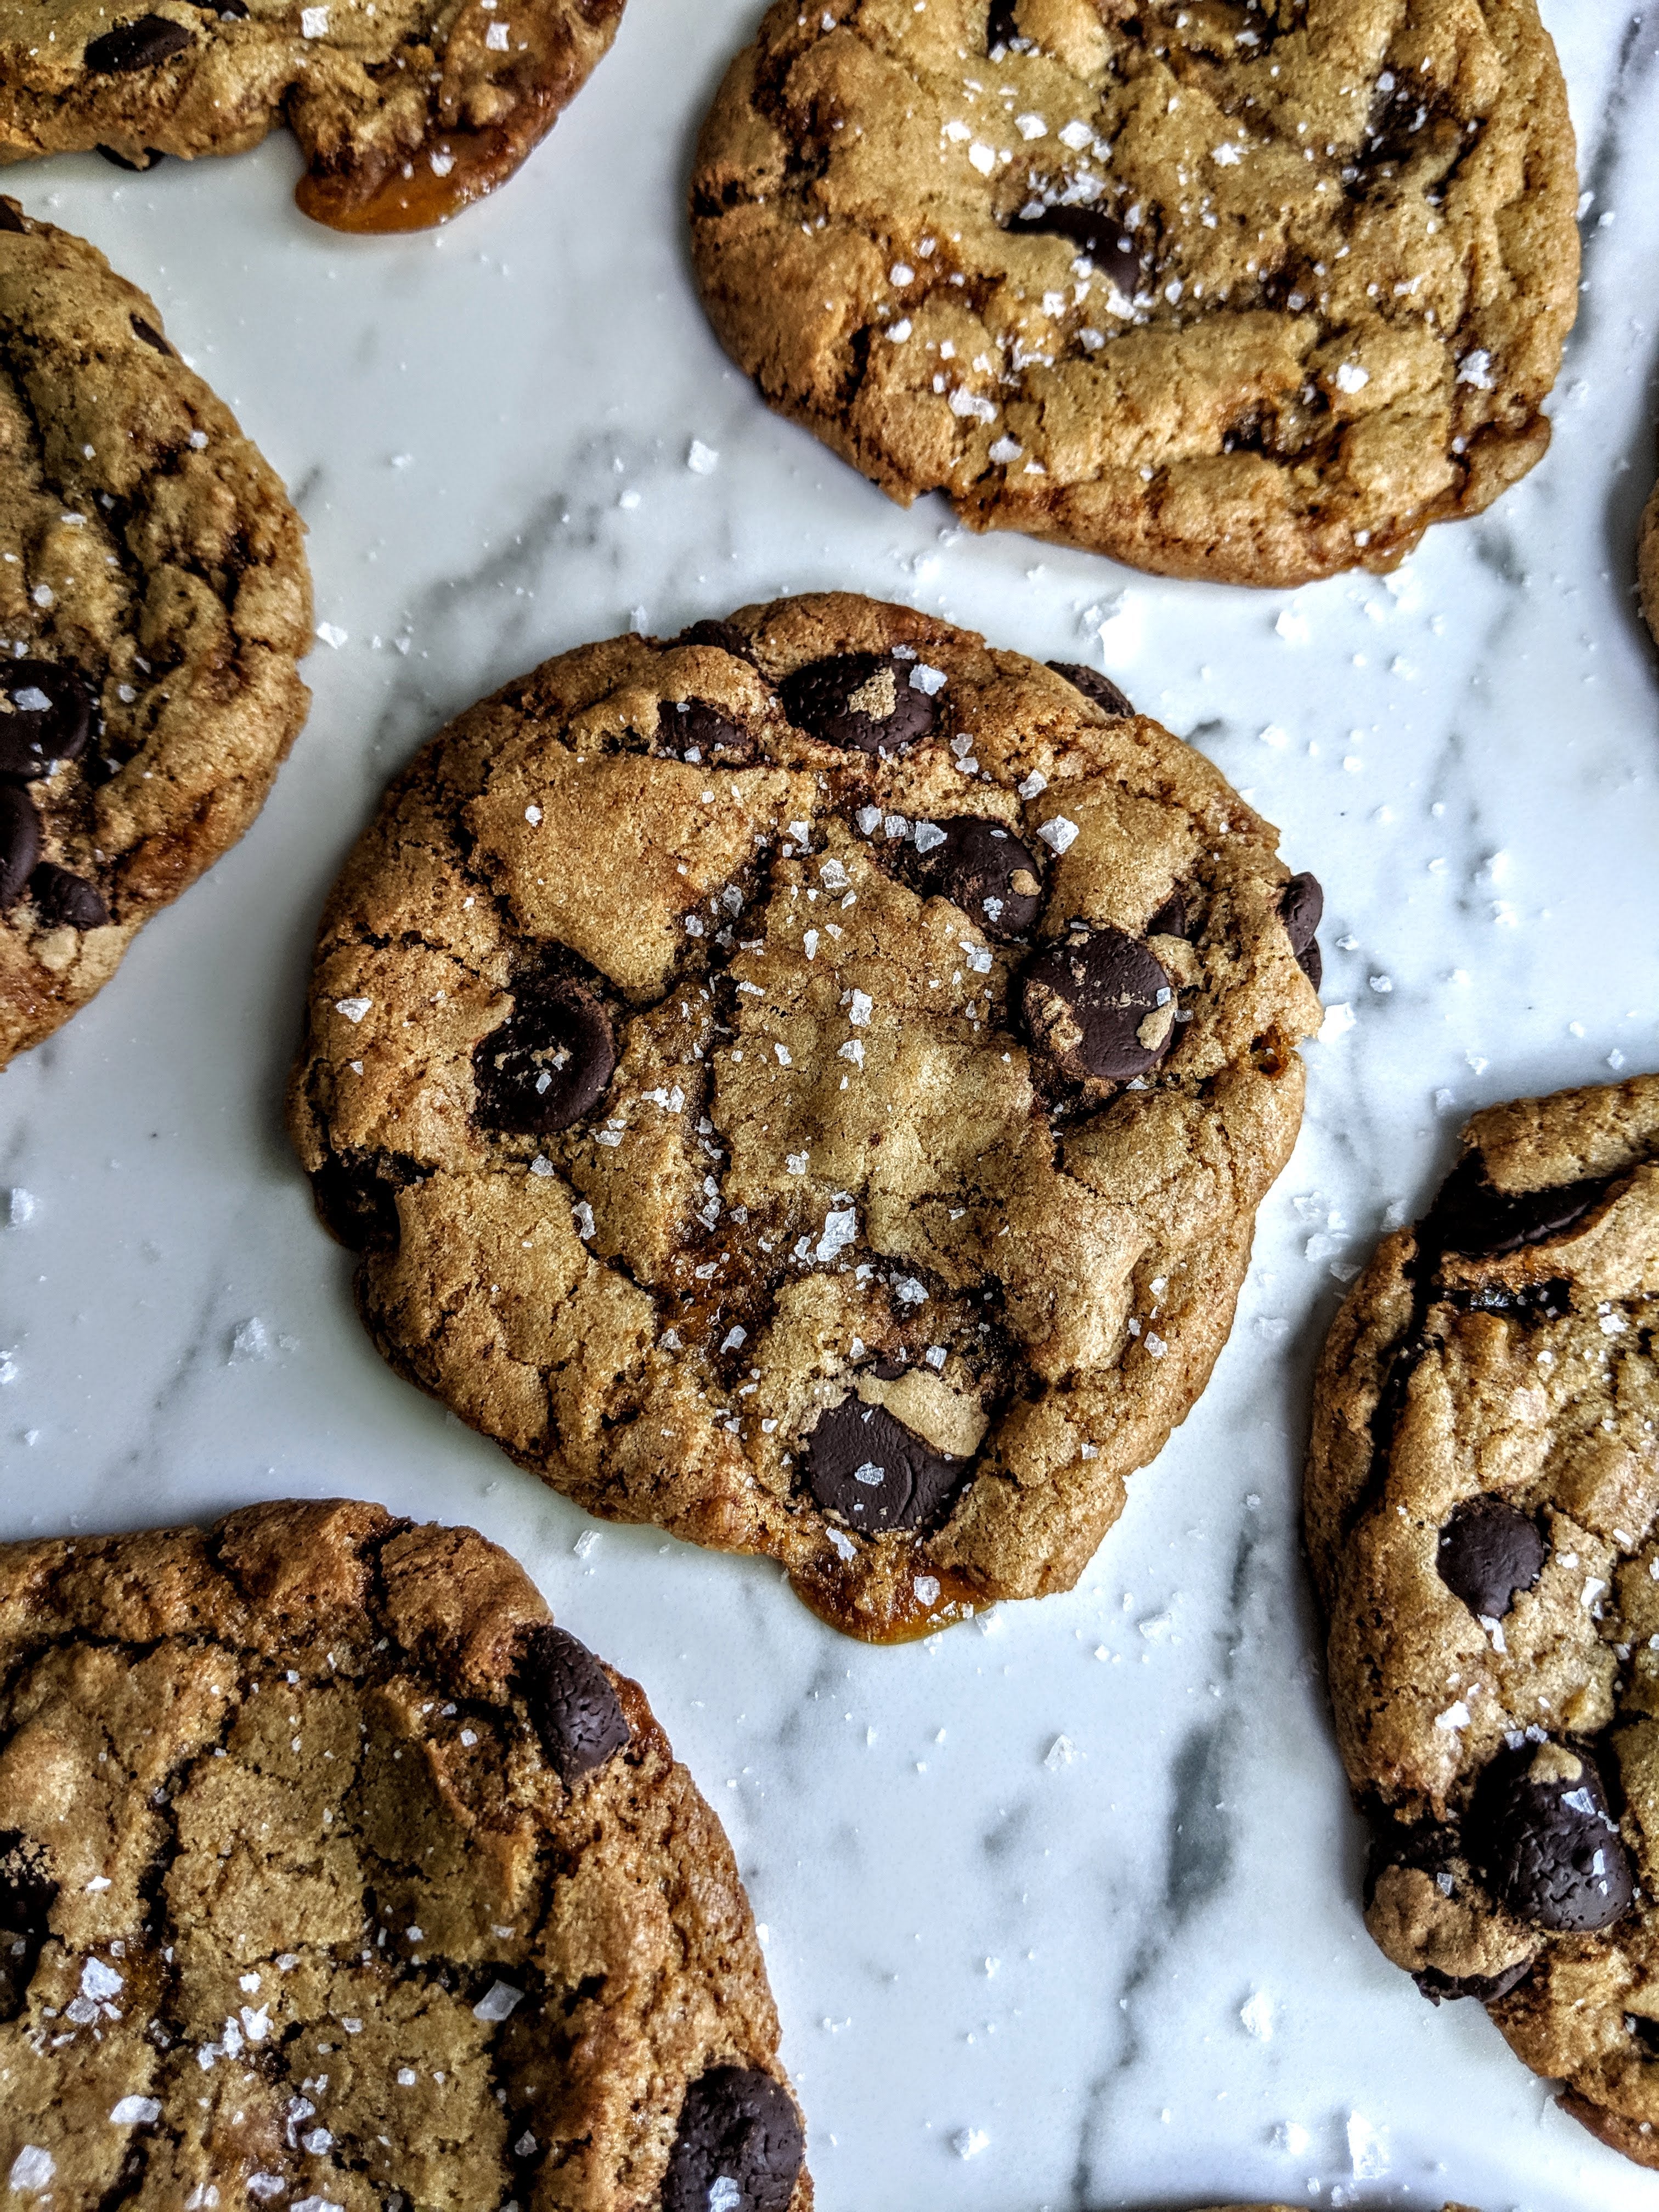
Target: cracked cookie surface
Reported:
point(155, 603)
point(332, 1873)
point(405, 110)
point(1483, 1518)
point(808, 1084)
point(1250, 292)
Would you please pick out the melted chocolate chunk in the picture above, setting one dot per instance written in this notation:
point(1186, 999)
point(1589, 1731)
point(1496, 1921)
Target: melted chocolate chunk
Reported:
point(1524, 1301)
point(863, 702)
point(26, 1895)
point(693, 725)
point(1489, 1552)
point(1087, 1001)
point(356, 1198)
point(1473, 1216)
point(1485, 1988)
point(866, 1466)
point(149, 334)
point(548, 1062)
point(724, 634)
point(739, 2146)
point(1301, 904)
point(66, 901)
point(1000, 29)
point(11, 217)
point(1549, 1846)
point(1171, 919)
point(1093, 685)
point(981, 867)
point(572, 1703)
point(138, 44)
point(147, 159)
point(1097, 234)
point(20, 844)
point(49, 719)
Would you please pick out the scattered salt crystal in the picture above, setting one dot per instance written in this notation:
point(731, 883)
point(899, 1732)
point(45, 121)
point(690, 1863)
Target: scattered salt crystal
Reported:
point(1060, 1752)
point(99, 1981)
point(900, 331)
point(1475, 369)
point(833, 876)
point(1257, 2015)
point(30, 2171)
point(1350, 377)
point(927, 1588)
point(441, 159)
point(928, 834)
point(532, 815)
point(736, 1335)
point(1004, 450)
point(19, 1207)
point(329, 633)
point(840, 1229)
point(1367, 2148)
point(796, 1163)
point(1059, 834)
point(1339, 1020)
point(1290, 2136)
point(497, 2001)
point(724, 2194)
point(249, 1339)
point(1034, 783)
point(353, 1009)
point(582, 1215)
point(924, 678)
point(859, 1011)
point(134, 2112)
point(868, 819)
point(1030, 127)
point(909, 1291)
point(1076, 135)
point(313, 23)
point(968, 2143)
point(980, 155)
point(1225, 156)
point(701, 460)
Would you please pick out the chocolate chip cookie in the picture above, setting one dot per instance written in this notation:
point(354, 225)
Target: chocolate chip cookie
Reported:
point(155, 603)
point(1250, 293)
point(406, 110)
point(1483, 1518)
point(808, 1084)
point(333, 1873)
point(1647, 562)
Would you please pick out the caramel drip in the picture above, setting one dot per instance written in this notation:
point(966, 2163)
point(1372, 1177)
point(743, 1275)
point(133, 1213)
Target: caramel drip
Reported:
point(895, 1615)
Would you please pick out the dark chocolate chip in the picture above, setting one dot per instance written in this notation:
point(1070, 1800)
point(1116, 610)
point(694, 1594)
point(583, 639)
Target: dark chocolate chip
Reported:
point(1171, 919)
point(571, 1702)
point(863, 702)
point(1301, 904)
point(1548, 1845)
point(1086, 1000)
point(866, 1466)
point(981, 867)
point(1485, 1988)
point(149, 334)
point(356, 1198)
point(20, 844)
point(1643, 2031)
point(1523, 1301)
point(228, 11)
point(66, 901)
point(739, 2148)
point(141, 44)
point(11, 217)
point(1093, 685)
point(49, 718)
point(1472, 1216)
point(695, 726)
point(724, 634)
point(1096, 232)
point(26, 1895)
point(1000, 29)
point(1489, 1552)
point(548, 1062)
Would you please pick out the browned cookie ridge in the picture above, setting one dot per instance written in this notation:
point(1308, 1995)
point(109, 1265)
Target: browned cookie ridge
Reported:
point(808, 1084)
point(1483, 1520)
point(333, 1873)
point(406, 110)
point(155, 603)
point(1248, 292)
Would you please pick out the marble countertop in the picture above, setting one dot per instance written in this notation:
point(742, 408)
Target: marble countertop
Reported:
point(1062, 1906)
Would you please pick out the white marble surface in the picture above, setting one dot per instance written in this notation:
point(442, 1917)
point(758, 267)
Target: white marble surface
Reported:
point(969, 1938)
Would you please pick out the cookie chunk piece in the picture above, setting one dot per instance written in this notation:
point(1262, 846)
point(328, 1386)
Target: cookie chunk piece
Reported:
point(1647, 562)
point(406, 111)
point(332, 1872)
point(1483, 1520)
point(808, 1084)
point(155, 604)
point(1242, 292)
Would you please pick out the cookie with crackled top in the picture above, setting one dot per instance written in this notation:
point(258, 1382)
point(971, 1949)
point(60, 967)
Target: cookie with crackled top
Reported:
point(1247, 292)
point(808, 1084)
point(155, 604)
point(405, 110)
point(332, 1872)
point(1483, 1519)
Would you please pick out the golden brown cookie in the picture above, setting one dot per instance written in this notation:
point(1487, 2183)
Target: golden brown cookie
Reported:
point(1247, 293)
point(808, 1084)
point(405, 109)
point(1483, 1519)
point(333, 1874)
point(154, 605)
point(1647, 562)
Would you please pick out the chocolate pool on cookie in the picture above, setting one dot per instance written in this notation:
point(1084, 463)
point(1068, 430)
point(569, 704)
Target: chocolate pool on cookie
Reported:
point(332, 1873)
point(155, 604)
point(1247, 293)
point(1483, 1518)
point(808, 1084)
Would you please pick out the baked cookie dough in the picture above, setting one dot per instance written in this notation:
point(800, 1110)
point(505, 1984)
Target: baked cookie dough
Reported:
point(1253, 293)
point(1647, 562)
point(154, 604)
point(1482, 1502)
point(332, 1873)
point(809, 1083)
point(405, 110)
